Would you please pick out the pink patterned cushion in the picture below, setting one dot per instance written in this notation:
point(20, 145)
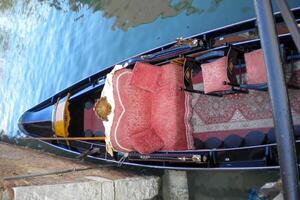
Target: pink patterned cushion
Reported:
point(147, 141)
point(214, 74)
point(132, 112)
point(91, 121)
point(255, 66)
point(139, 79)
point(171, 110)
point(148, 122)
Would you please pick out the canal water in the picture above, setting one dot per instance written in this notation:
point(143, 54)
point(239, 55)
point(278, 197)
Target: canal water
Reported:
point(47, 45)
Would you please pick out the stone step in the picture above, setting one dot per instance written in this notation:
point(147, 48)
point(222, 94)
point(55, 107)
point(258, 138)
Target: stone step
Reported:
point(93, 187)
point(28, 174)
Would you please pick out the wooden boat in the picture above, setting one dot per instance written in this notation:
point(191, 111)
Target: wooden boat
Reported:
point(66, 120)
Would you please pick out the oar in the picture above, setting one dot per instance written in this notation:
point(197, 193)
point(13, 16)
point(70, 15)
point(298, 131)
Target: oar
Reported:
point(102, 138)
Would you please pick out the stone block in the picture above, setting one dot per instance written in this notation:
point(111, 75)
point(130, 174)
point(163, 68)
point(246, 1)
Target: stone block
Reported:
point(135, 188)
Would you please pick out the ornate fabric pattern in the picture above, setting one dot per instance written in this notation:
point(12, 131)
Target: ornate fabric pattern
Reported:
point(255, 66)
point(171, 110)
point(166, 112)
point(132, 110)
point(140, 79)
point(237, 113)
point(214, 75)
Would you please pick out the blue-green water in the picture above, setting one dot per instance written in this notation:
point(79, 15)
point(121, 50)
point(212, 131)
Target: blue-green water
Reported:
point(47, 45)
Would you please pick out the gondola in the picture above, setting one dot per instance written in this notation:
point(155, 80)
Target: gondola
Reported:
point(69, 120)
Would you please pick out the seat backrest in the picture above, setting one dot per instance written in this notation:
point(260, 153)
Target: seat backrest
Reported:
point(214, 75)
point(255, 67)
point(92, 124)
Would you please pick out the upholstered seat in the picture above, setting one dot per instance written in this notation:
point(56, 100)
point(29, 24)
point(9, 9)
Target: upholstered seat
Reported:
point(255, 67)
point(256, 76)
point(91, 123)
point(214, 75)
point(150, 111)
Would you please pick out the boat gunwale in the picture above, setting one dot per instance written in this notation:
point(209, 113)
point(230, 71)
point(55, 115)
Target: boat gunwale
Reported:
point(193, 151)
point(275, 167)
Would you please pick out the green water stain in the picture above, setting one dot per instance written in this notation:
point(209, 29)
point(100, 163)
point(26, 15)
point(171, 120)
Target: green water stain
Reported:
point(214, 5)
point(246, 9)
point(4, 41)
point(9, 4)
point(6, 4)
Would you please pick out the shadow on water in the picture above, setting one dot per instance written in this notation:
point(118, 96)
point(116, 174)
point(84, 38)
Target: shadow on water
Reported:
point(6, 4)
point(132, 13)
point(129, 13)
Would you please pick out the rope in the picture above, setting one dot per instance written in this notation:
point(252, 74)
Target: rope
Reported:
point(53, 172)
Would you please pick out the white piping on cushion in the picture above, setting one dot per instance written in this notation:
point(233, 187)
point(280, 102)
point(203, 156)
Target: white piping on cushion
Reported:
point(123, 111)
point(108, 93)
point(187, 117)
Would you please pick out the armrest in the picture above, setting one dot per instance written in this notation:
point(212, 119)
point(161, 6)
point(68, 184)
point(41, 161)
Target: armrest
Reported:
point(146, 141)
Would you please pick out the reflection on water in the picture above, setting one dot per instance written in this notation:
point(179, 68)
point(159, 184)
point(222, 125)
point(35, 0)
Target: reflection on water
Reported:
point(136, 12)
point(131, 13)
point(4, 41)
point(1, 70)
point(6, 4)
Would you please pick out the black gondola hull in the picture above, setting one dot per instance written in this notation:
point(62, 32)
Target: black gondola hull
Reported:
point(39, 122)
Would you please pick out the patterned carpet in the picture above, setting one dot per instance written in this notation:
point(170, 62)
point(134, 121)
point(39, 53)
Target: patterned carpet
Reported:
point(237, 113)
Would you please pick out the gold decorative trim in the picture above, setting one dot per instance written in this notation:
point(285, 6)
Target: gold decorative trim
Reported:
point(102, 108)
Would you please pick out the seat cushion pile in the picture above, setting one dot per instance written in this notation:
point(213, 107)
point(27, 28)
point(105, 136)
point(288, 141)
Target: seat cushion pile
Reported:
point(151, 112)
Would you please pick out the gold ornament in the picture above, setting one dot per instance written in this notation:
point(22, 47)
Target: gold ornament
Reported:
point(102, 108)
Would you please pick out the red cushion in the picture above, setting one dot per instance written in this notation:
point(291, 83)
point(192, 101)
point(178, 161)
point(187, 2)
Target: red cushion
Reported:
point(171, 110)
point(166, 112)
point(255, 66)
point(147, 141)
point(92, 122)
point(214, 74)
point(132, 112)
point(140, 79)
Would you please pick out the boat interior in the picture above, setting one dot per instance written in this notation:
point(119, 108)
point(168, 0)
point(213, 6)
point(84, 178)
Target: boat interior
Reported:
point(215, 114)
point(234, 117)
